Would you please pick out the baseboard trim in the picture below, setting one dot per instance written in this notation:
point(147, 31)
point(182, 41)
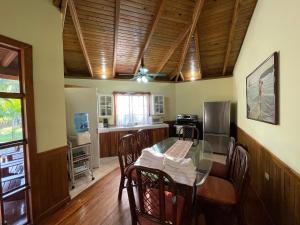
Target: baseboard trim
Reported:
point(54, 208)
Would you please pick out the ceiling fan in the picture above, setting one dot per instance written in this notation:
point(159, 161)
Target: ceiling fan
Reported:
point(143, 75)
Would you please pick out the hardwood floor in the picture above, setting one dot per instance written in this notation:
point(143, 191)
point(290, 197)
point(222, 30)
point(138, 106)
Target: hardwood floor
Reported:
point(99, 206)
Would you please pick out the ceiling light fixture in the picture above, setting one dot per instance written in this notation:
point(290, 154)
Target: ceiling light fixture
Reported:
point(103, 76)
point(193, 78)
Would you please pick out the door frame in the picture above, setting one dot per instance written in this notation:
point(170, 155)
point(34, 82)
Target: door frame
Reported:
point(26, 79)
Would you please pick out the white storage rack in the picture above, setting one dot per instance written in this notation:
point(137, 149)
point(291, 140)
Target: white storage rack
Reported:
point(79, 161)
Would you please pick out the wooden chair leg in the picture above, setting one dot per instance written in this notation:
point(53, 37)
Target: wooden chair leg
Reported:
point(122, 181)
point(240, 215)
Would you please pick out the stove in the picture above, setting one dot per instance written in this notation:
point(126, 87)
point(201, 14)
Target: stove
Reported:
point(185, 119)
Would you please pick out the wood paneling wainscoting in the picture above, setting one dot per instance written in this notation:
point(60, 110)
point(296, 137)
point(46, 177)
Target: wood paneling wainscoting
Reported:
point(280, 194)
point(53, 185)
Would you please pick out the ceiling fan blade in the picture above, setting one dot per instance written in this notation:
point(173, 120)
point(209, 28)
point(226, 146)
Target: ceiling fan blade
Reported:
point(157, 74)
point(126, 74)
point(149, 78)
point(134, 78)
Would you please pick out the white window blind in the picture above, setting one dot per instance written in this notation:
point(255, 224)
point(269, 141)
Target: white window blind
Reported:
point(132, 108)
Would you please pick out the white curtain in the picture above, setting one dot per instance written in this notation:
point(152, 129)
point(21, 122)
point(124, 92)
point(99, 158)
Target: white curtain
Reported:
point(132, 109)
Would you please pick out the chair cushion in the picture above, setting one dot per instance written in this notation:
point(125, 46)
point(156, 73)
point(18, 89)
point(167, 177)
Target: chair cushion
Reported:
point(219, 170)
point(217, 190)
point(153, 196)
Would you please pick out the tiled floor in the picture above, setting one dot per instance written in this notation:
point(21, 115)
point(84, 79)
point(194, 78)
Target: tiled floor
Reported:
point(106, 166)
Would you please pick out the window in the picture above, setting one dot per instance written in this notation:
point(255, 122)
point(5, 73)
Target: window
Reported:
point(132, 108)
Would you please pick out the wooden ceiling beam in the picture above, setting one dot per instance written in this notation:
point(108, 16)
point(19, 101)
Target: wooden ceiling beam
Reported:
point(175, 45)
point(65, 69)
point(231, 34)
point(117, 21)
point(57, 3)
point(153, 27)
point(173, 76)
point(196, 14)
point(9, 77)
point(75, 20)
point(64, 6)
point(197, 45)
point(177, 77)
point(181, 75)
point(8, 58)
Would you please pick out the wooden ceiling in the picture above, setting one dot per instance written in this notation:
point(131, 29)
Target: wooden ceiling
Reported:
point(186, 39)
point(9, 63)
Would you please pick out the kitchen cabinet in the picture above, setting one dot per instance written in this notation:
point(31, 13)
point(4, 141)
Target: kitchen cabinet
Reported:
point(158, 105)
point(109, 141)
point(105, 105)
point(115, 137)
point(105, 144)
point(159, 134)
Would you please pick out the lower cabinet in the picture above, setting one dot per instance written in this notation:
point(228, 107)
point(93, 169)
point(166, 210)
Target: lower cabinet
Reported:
point(109, 142)
point(159, 134)
point(104, 144)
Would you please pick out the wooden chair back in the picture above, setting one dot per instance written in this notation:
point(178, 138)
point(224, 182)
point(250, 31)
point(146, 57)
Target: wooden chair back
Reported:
point(231, 148)
point(239, 173)
point(143, 140)
point(151, 187)
point(189, 133)
point(127, 151)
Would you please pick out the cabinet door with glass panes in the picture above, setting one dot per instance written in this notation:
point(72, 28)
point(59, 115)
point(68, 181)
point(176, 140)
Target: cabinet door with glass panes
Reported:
point(105, 105)
point(158, 105)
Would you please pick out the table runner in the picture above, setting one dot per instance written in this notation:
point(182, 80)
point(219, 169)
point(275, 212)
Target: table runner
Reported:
point(179, 149)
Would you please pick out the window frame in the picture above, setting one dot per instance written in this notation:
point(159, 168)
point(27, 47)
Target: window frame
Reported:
point(116, 93)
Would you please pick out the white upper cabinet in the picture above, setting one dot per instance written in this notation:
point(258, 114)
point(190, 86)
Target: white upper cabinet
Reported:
point(158, 105)
point(105, 105)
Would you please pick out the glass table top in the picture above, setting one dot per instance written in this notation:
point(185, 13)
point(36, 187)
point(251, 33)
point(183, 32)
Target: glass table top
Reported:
point(201, 155)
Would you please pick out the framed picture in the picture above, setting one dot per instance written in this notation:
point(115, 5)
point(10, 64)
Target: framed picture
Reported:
point(262, 91)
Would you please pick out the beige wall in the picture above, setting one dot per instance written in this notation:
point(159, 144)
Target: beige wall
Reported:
point(108, 86)
point(191, 95)
point(180, 98)
point(38, 23)
point(275, 26)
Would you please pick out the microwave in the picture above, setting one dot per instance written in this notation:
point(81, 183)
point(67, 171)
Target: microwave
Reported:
point(156, 119)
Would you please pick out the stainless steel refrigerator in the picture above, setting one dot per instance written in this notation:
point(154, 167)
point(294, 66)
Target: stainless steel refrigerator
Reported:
point(216, 125)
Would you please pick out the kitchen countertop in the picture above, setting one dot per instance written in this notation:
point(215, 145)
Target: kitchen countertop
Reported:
point(137, 127)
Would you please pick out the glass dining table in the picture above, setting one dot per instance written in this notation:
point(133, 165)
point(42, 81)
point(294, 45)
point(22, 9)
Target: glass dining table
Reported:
point(201, 154)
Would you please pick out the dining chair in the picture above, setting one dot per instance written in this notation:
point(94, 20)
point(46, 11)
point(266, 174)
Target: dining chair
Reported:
point(157, 200)
point(187, 132)
point(143, 140)
point(228, 193)
point(222, 170)
point(127, 154)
